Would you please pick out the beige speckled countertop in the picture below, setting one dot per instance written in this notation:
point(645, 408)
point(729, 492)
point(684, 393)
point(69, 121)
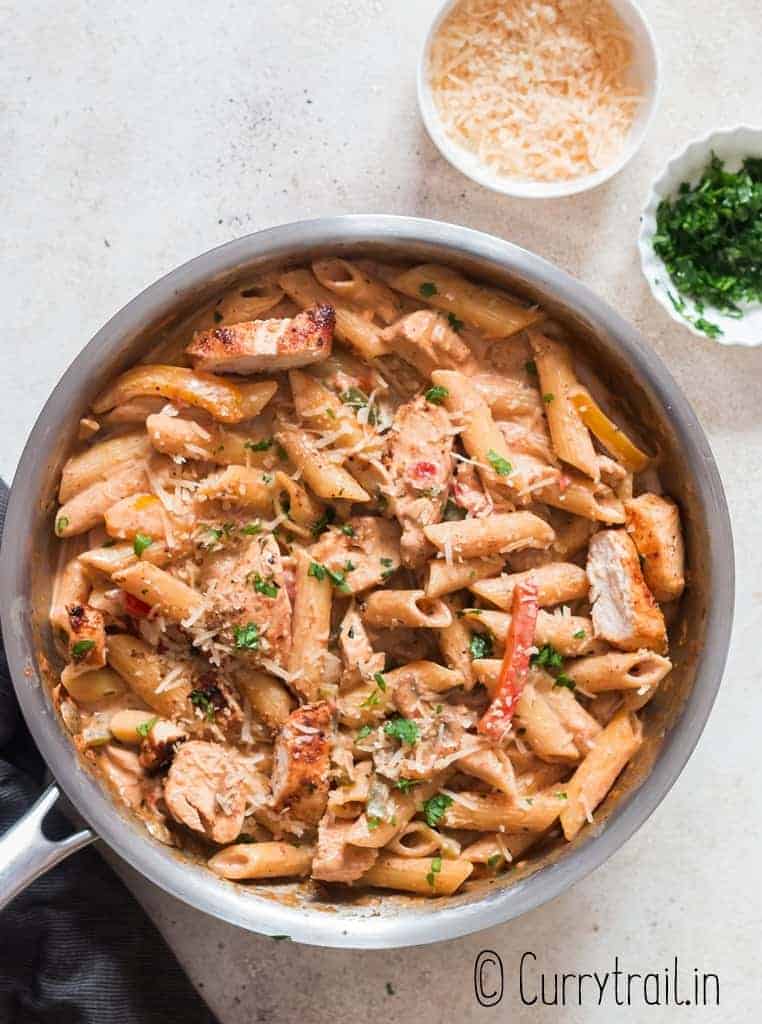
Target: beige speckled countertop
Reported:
point(138, 135)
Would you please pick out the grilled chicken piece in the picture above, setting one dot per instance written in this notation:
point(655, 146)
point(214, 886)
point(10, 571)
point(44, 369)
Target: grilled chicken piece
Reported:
point(301, 762)
point(654, 524)
point(244, 588)
point(217, 703)
point(373, 549)
point(336, 860)
point(469, 493)
point(429, 342)
point(86, 645)
point(158, 748)
point(624, 610)
point(206, 790)
point(258, 345)
point(419, 462)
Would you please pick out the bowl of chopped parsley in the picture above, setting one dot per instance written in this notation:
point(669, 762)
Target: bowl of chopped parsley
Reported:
point(701, 237)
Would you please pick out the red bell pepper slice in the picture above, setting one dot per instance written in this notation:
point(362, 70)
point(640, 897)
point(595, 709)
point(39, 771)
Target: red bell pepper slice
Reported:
point(519, 641)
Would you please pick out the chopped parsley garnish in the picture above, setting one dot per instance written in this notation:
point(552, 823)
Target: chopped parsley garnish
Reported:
point(200, 699)
point(548, 657)
point(109, 543)
point(141, 542)
point(435, 808)
point(61, 523)
point(366, 730)
point(500, 465)
point(330, 413)
point(436, 867)
point(372, 700)
point(373, 822)
point(81, 649)
point(406, 784)
point(267, 478)
point(259, 446)
point(348, 530)
point(402, 729)
point(388, 568)
point(531, 367)
point(390, 989)
point(267, 587)
point(337, 577)
point(427, 289)
point(380, 681)
point(214, 534)
point(579, 635)
point(457, 325)
point(281, 452)
point(562, 796)
point(321, 525)
point(563, 680)
point(145, 727)
point(548, 397)
point(710, 239)
point(437, 394)
point(494, 860)
point(481, 645)
point(281, 938)
point(247, 637)
point(251, 528)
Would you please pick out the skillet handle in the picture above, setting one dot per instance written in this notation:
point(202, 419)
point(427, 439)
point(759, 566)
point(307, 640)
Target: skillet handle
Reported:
point(25, 852)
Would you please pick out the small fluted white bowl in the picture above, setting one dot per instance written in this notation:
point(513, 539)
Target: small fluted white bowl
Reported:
point(731, 145)
point(644, 72)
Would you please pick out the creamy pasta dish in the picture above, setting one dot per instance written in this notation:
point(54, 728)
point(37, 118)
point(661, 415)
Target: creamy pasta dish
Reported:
point(363, 578)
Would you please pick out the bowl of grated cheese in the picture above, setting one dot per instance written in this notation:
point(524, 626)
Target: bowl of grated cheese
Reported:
point(538, 98)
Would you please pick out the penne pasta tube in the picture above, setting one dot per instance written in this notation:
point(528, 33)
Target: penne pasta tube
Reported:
point(492, 766)
point(351, 326)
point(223, 400)
point(506, 397)
point(543, 729)
point(262, 860)
point(583, 498)
point(454, 643)
point(542, 777)
point(491, 311)
point(326, 478)
point(417, 839)
point(111, 559)
point(94, 686)
point(143, 670)
point(570, 436)
point(388, 609)
point(348, 281)
point(556, 583)
point(88, 507)
point(186, 439)
point(581, 725)
point(592, 780)
point(496, 812)
point(444, 577)
point(501, 533)
point(426, 674)
point(426, 876)
point(633, 670)
point(130, 725)
point(498, 847)
point(402, 806)
point(98, 462)
point(571, 635)
point(140, 513)
point(159, 589)
point(482, 438)
point(298, 504)
point(268, 697)
point(250, 301)
point(239, 485)
point(324, 410)
point(310, 627)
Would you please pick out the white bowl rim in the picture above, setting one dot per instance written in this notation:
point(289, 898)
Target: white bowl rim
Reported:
point(650, 262)
point(460, 159)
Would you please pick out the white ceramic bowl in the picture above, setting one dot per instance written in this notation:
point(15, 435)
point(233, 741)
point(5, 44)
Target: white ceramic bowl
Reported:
point(731, 145)
point(644, 73)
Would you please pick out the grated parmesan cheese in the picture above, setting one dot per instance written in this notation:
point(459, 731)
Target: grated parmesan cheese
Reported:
point(538, 90)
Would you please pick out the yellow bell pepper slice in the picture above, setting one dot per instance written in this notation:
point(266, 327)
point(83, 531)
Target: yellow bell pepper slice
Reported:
point(608, 433)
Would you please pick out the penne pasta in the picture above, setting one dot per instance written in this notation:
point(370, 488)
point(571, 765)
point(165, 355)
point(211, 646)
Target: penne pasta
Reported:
point(262, 860)
point(310, 628)
point(391, 608)
point(498, 534)
point(634, 670)
point(160, 590)
point(556, 583)
point(346, 280)
point(99, 461)
point(444, 578)
point(426, 876)
point(326, 478)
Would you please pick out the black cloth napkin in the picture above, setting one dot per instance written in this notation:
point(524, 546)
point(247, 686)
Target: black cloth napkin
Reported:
point(75, 947)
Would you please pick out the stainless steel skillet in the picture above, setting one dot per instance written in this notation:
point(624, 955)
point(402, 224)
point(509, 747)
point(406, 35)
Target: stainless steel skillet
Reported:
point(675, 719)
